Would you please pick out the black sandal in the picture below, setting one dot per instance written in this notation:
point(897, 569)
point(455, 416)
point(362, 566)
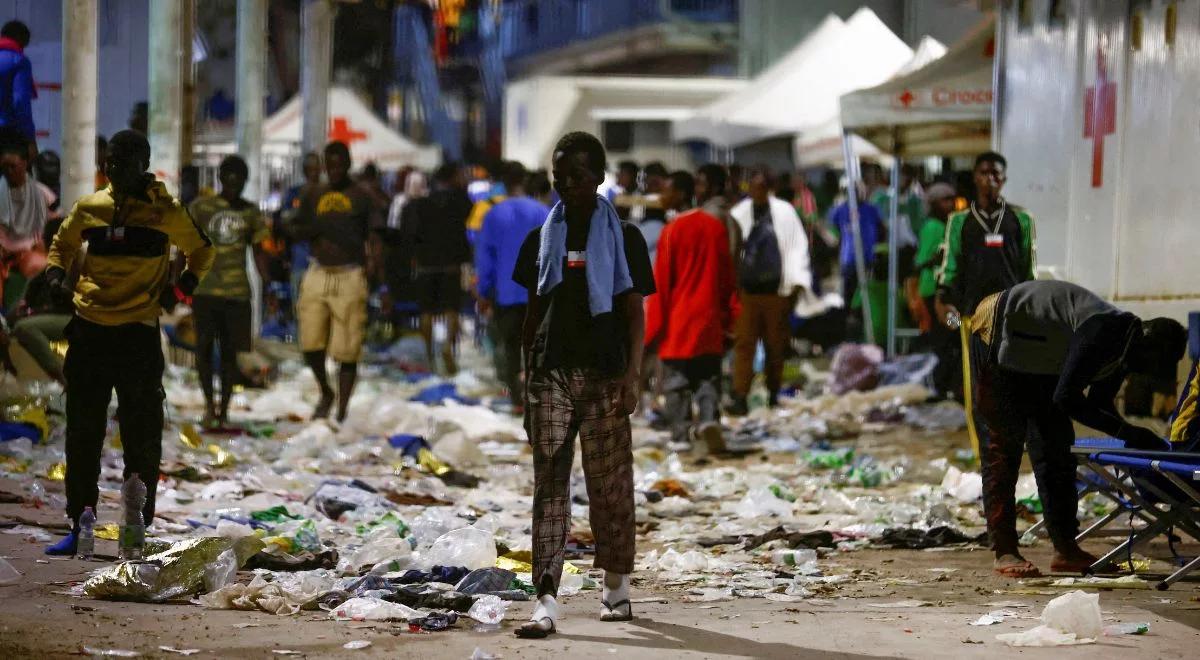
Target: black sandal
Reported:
point(534, 629)
point(605, 616)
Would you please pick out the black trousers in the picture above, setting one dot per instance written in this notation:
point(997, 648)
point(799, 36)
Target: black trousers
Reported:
point(1014, 412)
point(126, 358)
point(685, 382)
point(506, 326)
point(947, 346)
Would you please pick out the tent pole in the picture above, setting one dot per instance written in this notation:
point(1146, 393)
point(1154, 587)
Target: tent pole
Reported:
point(860, 262)
point(893, 255)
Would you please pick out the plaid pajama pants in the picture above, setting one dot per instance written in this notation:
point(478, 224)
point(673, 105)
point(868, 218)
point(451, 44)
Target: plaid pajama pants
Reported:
point(561, 404)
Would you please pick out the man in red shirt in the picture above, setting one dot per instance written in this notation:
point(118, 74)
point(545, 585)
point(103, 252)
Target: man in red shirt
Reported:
point(690, 316)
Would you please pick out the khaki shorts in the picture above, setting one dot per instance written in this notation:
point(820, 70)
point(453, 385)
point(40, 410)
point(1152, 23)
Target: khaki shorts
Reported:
point(333, 311)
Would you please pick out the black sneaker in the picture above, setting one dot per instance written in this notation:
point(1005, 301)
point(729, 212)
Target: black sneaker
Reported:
point(737, 408)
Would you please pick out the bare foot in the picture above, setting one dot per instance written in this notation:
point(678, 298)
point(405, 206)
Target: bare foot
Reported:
point(1015, 566)
point(323, 407)
point(1073, 561)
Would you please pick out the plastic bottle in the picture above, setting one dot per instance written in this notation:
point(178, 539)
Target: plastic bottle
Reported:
point(133, 532)
point(86, 542)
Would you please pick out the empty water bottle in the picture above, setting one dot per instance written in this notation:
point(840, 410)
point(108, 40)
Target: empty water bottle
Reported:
point(953, 320)
point(85, 545)
point(133, 532)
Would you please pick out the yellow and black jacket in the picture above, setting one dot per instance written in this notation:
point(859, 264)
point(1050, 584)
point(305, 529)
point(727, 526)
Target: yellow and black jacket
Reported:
point(126, 265)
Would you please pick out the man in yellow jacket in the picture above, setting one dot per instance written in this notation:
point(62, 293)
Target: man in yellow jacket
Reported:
point(129, 228)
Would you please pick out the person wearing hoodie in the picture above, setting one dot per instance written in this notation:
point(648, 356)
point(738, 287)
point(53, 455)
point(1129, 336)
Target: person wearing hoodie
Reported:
point(123, 285)
point(16, 83)
point(771, 274)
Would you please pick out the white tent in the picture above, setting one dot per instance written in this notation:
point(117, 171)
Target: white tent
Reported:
point(540, 109)
point(943, 108)
point(350, 120)
point(801, 91)
point(823, 144)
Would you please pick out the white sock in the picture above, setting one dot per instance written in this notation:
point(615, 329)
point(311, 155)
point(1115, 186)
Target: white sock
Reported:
point(547, 608)
point(616, 587)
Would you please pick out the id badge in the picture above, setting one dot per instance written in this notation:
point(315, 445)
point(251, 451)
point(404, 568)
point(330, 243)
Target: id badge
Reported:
point(576, 259)
point(994, 240)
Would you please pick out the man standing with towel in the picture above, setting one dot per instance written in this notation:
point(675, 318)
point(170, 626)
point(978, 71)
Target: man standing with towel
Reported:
point(586, 274)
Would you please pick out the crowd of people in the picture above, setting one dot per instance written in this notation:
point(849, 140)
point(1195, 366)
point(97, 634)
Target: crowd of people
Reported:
point(593, 285)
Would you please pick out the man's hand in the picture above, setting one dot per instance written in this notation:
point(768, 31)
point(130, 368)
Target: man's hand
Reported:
point(59, 292)
point(484, 306)
point(1140, 437)
point(188, 282)
point(630, 393)
point(944, 310)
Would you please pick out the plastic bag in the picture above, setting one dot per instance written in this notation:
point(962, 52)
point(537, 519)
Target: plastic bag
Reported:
point(855, 367)
point(1072, 618)
point(760, 501)
point(485, 581)
point(1075, 612)
point(488, 610)
point(372, 609)
point(466, 546)
point(963, 486)
point(8, 574)
point(221, 572)
point(387, 549)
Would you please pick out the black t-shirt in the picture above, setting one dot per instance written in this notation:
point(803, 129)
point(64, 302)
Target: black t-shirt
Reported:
point(569, 336)
point(338, 221)
point(986, 270)
point(438, 227)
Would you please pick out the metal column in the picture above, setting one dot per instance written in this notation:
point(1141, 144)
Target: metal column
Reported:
point(166, 94)
point(187, 82)
point(78, 100)
point(316, 63)
point(251, 88)
point(893, 257)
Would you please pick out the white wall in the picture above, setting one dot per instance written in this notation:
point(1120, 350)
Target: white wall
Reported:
point(1132, 238)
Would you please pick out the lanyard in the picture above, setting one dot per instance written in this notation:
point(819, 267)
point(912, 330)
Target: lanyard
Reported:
point(997, 215)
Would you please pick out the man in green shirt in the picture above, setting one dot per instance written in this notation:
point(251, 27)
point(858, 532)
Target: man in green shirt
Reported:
point(931, 246)
point(221, 304)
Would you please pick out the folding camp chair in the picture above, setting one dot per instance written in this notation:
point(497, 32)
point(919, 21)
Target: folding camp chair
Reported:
point(1159, 487)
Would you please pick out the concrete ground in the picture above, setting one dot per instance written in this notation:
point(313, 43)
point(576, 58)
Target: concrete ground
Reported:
point(38, 619)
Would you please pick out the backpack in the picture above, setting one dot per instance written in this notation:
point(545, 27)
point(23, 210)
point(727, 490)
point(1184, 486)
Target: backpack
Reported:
point(761, 268)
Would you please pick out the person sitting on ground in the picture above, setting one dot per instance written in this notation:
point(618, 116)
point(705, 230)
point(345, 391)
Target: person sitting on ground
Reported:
point(586, 274)
point(221, 305)
point(1035, 349)
point(24, 210)
point(41, 319)
point(129, 228)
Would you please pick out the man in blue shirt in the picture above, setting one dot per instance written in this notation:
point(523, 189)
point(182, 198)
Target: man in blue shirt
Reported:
point(871, 229)
point(16, 91)
point(496, 248)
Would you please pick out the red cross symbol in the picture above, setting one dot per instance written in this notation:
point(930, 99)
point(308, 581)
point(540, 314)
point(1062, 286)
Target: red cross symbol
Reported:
point(1100, 116)
point(906, 98)
point(340, 131)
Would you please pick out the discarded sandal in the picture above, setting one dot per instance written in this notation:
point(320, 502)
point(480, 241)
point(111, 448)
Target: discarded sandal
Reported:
point(611, 613)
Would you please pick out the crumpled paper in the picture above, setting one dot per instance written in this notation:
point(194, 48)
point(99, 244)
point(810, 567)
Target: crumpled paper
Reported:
point(177, 571)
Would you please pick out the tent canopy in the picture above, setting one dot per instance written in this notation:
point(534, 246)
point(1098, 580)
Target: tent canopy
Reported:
point(540, 109)
point(352, 122)
point(942, 108)
point(801, 91)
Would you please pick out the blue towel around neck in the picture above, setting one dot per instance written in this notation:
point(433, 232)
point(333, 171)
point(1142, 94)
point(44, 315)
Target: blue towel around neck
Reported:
point(607, 271)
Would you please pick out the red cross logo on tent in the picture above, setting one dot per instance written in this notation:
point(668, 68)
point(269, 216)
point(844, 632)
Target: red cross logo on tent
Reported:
point(906, 99)
point(340, 131)
point(1100, 116)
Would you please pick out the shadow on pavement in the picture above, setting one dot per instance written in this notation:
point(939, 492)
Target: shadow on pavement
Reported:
point(675, 637)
